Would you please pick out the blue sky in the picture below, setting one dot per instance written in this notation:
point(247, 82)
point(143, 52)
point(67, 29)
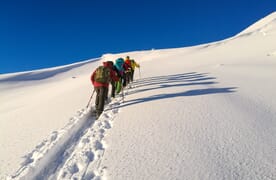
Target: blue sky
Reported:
point(37, 34)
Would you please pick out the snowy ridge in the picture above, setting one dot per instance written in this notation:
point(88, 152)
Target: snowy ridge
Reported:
point(43, 73)
point(262, 26)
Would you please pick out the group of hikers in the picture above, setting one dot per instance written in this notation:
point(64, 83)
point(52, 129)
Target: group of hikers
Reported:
point(119, 74)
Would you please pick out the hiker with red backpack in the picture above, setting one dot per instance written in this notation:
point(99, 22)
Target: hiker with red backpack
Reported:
point(132, 63)
point(127, 73)
point(100, 79)
point(128, 69)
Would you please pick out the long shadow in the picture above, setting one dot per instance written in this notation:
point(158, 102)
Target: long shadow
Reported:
point(171, 79)
point(175, 80)
point(162, 86)
point(196, 92)
point(31, 76)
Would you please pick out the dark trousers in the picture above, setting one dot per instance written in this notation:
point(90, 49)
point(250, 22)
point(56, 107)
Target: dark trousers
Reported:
point(132, 75)
point(128, 76)
point(113, 88)
point(100, 98)
point(124, 80)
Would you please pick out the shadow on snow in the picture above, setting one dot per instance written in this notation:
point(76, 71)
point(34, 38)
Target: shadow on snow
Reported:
point(177, 80)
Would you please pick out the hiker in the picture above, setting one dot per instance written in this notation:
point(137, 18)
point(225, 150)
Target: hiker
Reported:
point(133, 66)
point(110, 65)
point(119, 67)
point(128, 70)
point(132, 63)
point(127, 73)
point(113, 83)
point(101, 78)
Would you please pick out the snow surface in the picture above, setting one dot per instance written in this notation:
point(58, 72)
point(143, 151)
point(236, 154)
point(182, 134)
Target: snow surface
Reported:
point(202, 112)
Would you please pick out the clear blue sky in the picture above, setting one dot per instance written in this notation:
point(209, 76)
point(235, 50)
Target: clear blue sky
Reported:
point(37, 34)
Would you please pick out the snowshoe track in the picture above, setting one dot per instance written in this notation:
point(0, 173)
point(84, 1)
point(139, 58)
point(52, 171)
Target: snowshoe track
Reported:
point(73, 152)
point(85, 161)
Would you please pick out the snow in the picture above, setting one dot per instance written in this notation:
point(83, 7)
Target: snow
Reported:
point(264, 25)
point(201, 112)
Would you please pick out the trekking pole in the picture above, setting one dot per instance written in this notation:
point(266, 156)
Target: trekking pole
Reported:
point(123, 96)
point(90, 99)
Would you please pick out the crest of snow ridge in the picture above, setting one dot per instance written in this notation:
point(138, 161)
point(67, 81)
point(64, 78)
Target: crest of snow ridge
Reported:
point(265, 25)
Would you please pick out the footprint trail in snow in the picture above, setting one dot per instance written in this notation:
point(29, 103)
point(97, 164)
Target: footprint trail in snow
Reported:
point(73, 152)
point(85, 161)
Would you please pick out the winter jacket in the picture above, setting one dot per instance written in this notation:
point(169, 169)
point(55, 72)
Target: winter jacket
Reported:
point(126, 67)
point(128, 62)
point(134, 64)
point(119, 65)
point(117, 72)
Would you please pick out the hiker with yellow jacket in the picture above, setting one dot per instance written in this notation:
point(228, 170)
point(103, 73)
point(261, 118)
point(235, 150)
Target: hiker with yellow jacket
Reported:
point(132, 63)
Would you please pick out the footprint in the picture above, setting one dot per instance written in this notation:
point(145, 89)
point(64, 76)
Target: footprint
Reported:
point(54, 136)
point(79, 112)
point(99, 124)
point(106, 115)
point(28, 159)
point(107, 125)
point(101, 131)
point(89, 175)
point(115, 111)
point(85, 140)
point(98, 134)
point(73, 168)
point(102, 170)
point(41, 145)
point(98, 145)
point(89, 156)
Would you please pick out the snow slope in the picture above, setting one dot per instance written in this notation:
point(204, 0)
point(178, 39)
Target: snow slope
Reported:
point(202, 112)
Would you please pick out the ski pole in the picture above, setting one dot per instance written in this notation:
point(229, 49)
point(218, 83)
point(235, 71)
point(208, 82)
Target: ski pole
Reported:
point(139, 73)
point(123, 94)
point(90, 98)
point(122, 88)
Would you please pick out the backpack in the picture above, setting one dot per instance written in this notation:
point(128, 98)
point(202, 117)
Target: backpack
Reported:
point(132, 62)
point(110, 63)
point(102, 74)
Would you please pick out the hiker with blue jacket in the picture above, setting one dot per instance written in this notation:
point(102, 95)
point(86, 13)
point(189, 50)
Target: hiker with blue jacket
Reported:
point(119, 66)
